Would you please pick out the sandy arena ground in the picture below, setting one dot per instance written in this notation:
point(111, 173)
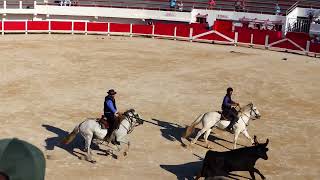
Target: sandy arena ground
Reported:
point(50, 83)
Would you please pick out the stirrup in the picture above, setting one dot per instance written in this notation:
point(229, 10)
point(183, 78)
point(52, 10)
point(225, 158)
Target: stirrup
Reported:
point(230, 130)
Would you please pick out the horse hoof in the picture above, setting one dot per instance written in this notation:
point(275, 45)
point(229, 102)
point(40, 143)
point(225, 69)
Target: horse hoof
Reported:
point(125, 154)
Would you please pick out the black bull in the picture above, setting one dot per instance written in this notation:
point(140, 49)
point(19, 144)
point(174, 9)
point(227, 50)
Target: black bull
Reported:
point(242, 159)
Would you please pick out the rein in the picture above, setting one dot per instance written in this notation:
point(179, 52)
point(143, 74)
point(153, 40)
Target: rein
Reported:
point(242, 113)
point(130, 120)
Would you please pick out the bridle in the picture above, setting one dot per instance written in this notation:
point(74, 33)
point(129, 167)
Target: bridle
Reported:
point(250, 117)
point(133, 123)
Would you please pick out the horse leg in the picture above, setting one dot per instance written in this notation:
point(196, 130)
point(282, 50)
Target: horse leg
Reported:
point(88, 144)
point(198, 135)
point(206, 138)
point(246, 134)
point(127, 142)
point(236, 135)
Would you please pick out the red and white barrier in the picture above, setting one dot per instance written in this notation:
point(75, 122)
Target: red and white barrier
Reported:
point(169, 31)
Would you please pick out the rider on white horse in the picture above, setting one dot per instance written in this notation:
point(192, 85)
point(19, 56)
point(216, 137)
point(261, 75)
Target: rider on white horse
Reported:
point(110, 112)
point(228, 110)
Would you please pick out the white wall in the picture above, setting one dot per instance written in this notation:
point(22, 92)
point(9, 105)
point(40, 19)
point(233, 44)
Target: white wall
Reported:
point(232, 15)
point(299, 12)
point(113, 13)
point(315, 29)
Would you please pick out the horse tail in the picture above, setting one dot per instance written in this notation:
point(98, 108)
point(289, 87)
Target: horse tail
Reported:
point(190, 129)
point(69, 138)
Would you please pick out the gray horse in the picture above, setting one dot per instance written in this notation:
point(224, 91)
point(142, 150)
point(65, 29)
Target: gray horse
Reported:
point(91, 129)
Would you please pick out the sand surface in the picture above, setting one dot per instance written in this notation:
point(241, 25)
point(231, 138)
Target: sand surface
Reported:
point(50, 83)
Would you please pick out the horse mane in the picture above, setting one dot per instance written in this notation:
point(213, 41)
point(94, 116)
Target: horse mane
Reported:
point(128, 110)
point(246, 107)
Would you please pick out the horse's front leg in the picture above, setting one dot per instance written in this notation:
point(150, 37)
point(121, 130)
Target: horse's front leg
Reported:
point(126, 142)
point(206, 138)
point(246, 134)
point(198, 135)
point(236, 135)
point(88, 144)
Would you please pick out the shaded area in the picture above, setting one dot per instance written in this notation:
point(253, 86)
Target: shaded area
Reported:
point(184, 171)
point(170, 131)
point(77, 143)
point(212, 138)
point(188, 171)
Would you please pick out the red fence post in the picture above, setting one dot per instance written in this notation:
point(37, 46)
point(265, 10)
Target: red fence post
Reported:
point(2, 26)
point(86, 28)
point(49, 28)
point(308, 47)
point(26, 26)
point(72, 27)
point(266, 42)
point(109, 28)
point(190, 34)
point(153, 31)
point(236, 38)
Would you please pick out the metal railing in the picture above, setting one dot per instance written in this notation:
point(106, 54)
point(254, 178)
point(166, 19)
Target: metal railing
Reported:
point(292, 7)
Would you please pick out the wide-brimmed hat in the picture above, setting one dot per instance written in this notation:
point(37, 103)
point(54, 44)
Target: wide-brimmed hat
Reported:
point(112, 92)
point(21, 160)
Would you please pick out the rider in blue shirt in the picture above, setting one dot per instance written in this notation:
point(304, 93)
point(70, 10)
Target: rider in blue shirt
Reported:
point(110, 111)
point(228, 110)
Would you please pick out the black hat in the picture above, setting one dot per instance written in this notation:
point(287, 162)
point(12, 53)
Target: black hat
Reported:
point(112, 92)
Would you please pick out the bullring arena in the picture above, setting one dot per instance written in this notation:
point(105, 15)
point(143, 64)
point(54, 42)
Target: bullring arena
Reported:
point(57, 70)
point(51, 83)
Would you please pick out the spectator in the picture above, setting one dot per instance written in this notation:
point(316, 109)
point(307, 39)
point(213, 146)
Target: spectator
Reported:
point(67, 2)
point(277, 9)
point(173, 3)
point(212, 4)
point(180, 6)
point(316, 39)
point(20, 160)
point(239, 5)
point(243, 5)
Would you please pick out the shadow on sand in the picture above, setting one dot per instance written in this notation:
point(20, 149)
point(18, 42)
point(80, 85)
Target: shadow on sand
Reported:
point(184, 171)
point(77, 143)
point(214, 139)
point(170, 131)
point(174, 132)
point(188, 171)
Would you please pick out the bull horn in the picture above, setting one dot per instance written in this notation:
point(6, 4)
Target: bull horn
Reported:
point(267, 142)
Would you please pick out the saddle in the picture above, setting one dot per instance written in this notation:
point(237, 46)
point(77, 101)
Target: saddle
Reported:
point(222, 116)
point(103, 121)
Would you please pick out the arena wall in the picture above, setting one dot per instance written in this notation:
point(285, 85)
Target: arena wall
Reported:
point(133, 22)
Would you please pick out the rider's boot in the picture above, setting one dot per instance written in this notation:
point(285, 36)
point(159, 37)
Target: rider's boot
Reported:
point(229, 128)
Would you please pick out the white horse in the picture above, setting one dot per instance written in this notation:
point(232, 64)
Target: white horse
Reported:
point(212, 119)
point(90, 129)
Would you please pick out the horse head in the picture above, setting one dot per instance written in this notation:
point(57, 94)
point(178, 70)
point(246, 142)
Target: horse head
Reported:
point(134, 116)
point(254, 112)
